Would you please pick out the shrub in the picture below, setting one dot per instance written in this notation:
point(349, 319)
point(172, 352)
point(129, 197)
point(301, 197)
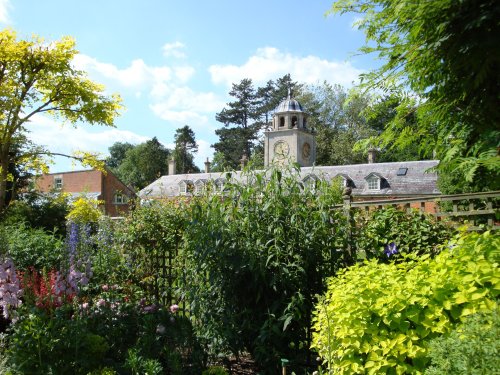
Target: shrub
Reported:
point(254, 260)
point(411, 232)
point(150, 238)
point(379, 318)
point(39, 211)
point(471, 348)
point(30, 247)
point(85, 210)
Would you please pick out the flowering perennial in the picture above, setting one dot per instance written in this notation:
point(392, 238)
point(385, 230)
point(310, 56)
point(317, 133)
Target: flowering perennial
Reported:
point(10, 291)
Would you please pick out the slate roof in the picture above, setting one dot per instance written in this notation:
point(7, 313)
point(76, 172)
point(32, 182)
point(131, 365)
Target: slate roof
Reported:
point(418, 181)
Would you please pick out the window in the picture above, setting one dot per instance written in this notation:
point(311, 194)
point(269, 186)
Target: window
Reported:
point(282, 121)
point(199, 187)
point(373, 183)
point(58, 182)
point(402, 172)
point(310, 182)
point(186, 187)
point(120, 198)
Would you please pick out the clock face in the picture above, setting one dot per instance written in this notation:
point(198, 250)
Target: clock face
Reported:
point(281, 149)
point(306, 150)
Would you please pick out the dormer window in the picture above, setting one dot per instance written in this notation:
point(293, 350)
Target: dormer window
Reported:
point(186, 187)
point(346, 180)
point(374, 181)
point(310, 182)
point(199, 186)
point(219, 184)
point(58, 182)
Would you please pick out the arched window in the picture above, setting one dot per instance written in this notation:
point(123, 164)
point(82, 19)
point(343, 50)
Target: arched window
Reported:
point(282, 121)
point(295, 122)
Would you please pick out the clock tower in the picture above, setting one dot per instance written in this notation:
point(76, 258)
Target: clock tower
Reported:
point(289, 140)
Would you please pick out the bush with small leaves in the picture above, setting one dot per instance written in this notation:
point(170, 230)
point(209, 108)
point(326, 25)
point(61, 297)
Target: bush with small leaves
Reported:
point(471, 348)
point(379, 318)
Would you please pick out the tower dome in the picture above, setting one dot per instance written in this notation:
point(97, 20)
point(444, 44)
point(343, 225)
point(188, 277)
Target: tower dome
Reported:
point(289, 105)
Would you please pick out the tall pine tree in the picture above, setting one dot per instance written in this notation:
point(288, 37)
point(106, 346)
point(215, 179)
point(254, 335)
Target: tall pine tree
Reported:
point(185, 148)
point(240, 124)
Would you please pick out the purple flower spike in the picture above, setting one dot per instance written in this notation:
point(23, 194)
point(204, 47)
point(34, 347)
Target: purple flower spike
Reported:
point(390, 249)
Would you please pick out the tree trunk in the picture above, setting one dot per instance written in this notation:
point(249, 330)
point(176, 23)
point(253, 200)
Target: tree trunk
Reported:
point(4, 171)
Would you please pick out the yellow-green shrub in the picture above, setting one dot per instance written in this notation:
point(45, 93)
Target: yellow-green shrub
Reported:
point(379, 318)
point(85, 210)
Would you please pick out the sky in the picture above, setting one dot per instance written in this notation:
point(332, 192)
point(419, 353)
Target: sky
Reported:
point(173, 61)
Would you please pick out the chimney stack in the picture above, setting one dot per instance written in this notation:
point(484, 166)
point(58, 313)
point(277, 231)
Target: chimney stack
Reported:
point(372, 153)
point(244, 161)
point(171, 166)
point(207, 166)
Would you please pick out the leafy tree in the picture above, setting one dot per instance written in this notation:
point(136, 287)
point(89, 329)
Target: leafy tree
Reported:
point(37, 78)
point(338, 121)
point(117, 153)
point(144, 163)
point(185, 147)
point(446, 52)
point(239, 131)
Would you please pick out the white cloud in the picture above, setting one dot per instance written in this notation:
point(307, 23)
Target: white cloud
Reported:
point(270, 63)
point(67, 139)
point(137, 75)
point(4, 11)
point(174, 50)
point(191, 118)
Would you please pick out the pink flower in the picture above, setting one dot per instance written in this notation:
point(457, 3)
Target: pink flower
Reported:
point(85, 306)
point(174, 309)
point(101, 302)
point(105, 287)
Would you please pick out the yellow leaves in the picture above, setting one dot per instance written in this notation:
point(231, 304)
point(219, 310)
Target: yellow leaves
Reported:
point(85, 210)
point(88, 159)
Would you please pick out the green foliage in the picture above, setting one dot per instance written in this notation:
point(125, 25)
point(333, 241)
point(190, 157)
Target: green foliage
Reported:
point(379, 318)
point(185, 147)
point(471, 348)
point(412, 232)
point(254, 260)
point(215, 370)
point(38, 211)
point(117, 335)
point(117, 154)
point(431, 48)
point(149, 237)
point(29, 247)
point(143, 164)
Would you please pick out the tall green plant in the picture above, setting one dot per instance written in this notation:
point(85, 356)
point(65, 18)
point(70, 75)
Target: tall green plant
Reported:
point(150, 238)
point(255, 258)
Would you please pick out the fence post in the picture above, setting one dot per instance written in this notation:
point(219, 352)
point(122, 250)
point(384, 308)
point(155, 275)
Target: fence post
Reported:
point(347, 198)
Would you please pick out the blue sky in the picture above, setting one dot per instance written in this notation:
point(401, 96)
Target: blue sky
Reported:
point(173, 62)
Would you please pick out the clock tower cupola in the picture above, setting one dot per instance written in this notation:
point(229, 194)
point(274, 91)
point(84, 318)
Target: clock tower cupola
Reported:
point(289, 140)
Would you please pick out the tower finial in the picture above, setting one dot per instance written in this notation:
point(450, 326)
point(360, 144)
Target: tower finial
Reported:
point(289, 93)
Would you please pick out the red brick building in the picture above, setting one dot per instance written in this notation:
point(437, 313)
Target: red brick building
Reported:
point(93, 183)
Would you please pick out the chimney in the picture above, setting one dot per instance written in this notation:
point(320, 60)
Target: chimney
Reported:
point(171, 166)
point(244, 161)
point(207, 166)
point(372, 153)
